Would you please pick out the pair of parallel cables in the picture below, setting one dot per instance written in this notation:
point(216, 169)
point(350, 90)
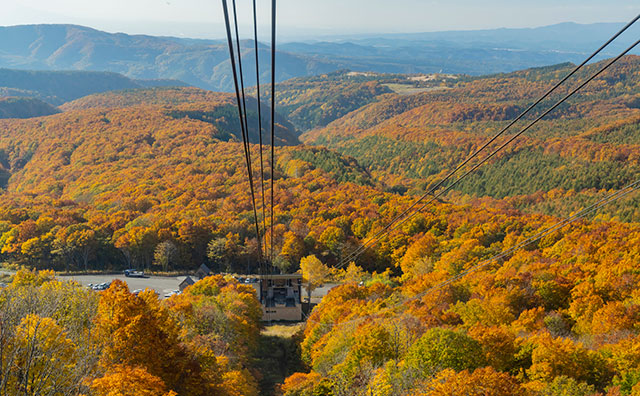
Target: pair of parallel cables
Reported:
point(410, 211)
point(593, 208)
point(238, 81)
point(432, 192)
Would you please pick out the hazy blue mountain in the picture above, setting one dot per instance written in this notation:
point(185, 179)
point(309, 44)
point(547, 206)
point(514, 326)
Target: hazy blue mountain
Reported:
point(57, 87)
point(470, 52)
point(563, 37)
point(204, 63)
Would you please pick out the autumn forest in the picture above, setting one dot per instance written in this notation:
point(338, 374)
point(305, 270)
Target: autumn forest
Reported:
point(154, 179)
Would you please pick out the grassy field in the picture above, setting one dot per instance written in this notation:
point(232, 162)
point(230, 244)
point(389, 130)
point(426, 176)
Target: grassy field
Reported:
point(278, 355)
point(282, 330)
point(410, 89)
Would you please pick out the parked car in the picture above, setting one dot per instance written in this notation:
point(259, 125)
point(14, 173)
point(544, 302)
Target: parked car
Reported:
point(101, 286)
point(132, 273)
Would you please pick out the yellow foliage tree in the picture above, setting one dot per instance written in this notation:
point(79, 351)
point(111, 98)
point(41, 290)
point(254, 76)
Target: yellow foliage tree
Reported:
point(413, 261)
point(139, 331)
point(353, 273)
point(44, 358)
point(482, 382)
point(314, 273)
point(129, 381)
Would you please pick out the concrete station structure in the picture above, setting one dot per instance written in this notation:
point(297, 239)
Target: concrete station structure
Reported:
point(280, 296)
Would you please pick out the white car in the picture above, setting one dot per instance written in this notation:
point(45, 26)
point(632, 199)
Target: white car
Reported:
point(172, 293)
point(101, 286)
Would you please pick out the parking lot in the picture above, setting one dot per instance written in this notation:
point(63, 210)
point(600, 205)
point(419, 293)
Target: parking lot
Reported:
point(162, 285)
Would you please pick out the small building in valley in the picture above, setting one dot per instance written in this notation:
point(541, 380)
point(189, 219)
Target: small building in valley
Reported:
point(203, 272)
point(188, 281)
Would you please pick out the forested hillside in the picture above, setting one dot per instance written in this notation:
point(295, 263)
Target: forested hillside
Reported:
point(588, 143)
point(74, 341)
point(155, 179)
point(314, 102)
point(15, 107)
point(452, 315)
point(58, 87)
point(558, 317)
point(101, 187)
point(116, 174)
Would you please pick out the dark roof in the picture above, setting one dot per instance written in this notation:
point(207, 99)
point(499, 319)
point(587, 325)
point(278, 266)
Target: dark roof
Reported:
point(188, 281)
point(203, 271)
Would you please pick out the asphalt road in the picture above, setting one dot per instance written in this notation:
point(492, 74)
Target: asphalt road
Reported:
point(162, 285)
point(320, 291)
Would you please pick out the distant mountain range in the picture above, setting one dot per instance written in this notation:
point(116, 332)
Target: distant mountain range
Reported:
point(561, 37)
point(200, 63)
point(204, 63)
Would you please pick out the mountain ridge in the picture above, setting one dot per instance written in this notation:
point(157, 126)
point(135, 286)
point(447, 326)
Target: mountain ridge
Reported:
point(57, 87)
point(204, 63)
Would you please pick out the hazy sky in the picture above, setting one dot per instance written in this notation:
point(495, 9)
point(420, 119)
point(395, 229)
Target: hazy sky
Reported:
point(305, 18)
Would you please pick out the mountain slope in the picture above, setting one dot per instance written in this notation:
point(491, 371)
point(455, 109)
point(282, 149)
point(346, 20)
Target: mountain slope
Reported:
point(561, 37)
point(126, 177)
point(214, 108)
point(312, 102)
point(12, 107)
point(57, 87)
point(588, 143)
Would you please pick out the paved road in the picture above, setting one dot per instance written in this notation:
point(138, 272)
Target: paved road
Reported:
point(162, 285)
point(320, 291)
